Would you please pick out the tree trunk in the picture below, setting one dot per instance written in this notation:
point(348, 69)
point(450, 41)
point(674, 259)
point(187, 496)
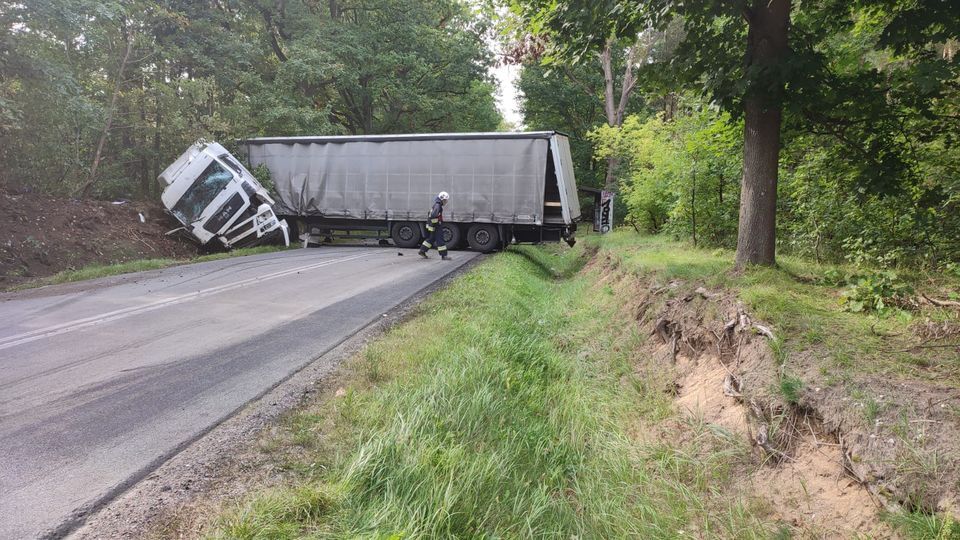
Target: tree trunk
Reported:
point(84, 190)
point(609, 105)
point(769, 22)
point(614, 109)
point(693, 205)
point(142, 142)
point(610, 181)
point(157, 136)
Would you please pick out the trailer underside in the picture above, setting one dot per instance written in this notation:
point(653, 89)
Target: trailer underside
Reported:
point(483, 237)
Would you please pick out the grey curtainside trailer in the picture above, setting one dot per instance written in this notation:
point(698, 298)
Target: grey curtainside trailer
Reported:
point(504, 187)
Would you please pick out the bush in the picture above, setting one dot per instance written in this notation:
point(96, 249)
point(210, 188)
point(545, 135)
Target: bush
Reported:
point(875, 291)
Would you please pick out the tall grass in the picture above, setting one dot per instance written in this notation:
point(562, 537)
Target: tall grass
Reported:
point(508, 408)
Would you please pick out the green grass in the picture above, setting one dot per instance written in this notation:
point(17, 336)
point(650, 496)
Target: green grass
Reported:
point(918, 525)
point(509, 407)
point(816, 338)
point(514, 405)
point(805, 313)
point(141, 265)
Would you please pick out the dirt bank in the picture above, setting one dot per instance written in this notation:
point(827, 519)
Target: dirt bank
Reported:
point(829, 455)
point(41, 235)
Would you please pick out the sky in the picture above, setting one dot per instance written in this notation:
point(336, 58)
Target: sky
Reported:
point(508, 99)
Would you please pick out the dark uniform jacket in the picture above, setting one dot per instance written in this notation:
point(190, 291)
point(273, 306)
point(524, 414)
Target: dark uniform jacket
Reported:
point(436, 213)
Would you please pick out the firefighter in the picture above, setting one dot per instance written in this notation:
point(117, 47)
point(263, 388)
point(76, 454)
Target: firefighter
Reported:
point(434, 231)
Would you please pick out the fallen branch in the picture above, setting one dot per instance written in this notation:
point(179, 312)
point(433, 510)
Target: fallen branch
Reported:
point(147, 244)
point(731, 324)
point(739, 348)
point(662, 330)
point(763, 442)
point(915, 347)
point(873, 330)
point(744, 318)
point(705, 293)
point(719, 348)
point(764, 331)
point(732, 385)
point(941, 303)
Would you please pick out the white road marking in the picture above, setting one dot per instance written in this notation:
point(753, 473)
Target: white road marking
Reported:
point(63, 328)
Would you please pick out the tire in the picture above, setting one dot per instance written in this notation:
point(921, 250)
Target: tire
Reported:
point(451, 233)
point(406, 234)
point(483, 237)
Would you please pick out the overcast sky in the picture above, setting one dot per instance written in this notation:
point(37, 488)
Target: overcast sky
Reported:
point(507, 99)
point(506, 75)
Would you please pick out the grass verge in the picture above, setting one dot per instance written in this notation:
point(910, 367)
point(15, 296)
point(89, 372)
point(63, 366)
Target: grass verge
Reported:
point(99, 271)
point(511, 406)
point(508, 407)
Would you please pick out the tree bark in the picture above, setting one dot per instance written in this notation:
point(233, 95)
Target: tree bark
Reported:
point(769, 22)
point(609, 105)
point(142, 142)
point(157, 135)
point(693, 204)
point(616, 110)
point(84, 190)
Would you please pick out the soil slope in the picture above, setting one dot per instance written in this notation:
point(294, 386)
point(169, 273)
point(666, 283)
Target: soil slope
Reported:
point(42, 235)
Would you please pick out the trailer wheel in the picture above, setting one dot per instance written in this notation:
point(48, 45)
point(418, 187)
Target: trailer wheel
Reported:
point(406, 234)
point(451, 234)
point(483, 237)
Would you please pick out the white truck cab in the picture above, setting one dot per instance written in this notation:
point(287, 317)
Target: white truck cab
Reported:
point(213, 196)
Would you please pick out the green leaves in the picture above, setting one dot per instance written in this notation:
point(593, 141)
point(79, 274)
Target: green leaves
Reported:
point(680, 176)
point(874, 291)
point(225, 70)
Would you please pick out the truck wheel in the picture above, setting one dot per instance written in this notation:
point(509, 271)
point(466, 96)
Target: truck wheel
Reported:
point(483, 237)
point(406, 234)
point(451, 233)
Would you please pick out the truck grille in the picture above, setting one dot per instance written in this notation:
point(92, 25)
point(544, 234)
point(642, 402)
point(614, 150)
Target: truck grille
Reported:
point(223, 215)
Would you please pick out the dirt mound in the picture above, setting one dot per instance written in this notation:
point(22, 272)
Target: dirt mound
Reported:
point(41, 235)
point(822, 463)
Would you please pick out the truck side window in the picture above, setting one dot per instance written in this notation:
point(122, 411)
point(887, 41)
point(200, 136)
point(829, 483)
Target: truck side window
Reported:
point(231, 163)
point(213, 180)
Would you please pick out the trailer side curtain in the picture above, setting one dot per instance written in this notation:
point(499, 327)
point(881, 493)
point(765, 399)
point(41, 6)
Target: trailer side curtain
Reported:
point(489, 180)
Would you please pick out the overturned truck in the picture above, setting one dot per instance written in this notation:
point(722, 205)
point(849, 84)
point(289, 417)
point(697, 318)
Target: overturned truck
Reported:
point(216, 199)
point(504, 187)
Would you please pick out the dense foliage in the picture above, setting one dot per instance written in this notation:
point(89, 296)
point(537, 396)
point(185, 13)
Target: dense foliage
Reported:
point(869, 94)
point(107, 93)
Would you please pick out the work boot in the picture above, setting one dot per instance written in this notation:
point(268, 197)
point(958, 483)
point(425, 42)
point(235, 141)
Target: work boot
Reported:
point(446, 257)
point(423, 254)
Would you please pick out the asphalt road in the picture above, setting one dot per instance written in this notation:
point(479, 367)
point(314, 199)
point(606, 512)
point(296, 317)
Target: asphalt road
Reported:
point(101, 382)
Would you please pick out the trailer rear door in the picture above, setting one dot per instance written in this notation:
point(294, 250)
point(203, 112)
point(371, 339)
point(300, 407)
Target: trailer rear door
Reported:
point(567, 184)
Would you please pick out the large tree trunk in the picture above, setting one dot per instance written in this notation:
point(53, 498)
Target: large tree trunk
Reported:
point(769, 22)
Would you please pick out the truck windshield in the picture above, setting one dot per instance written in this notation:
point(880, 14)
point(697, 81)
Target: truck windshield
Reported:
point(199, 195)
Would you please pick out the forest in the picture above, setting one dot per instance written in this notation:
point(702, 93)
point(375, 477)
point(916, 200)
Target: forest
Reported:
point(824, 130)
point(97, 97)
